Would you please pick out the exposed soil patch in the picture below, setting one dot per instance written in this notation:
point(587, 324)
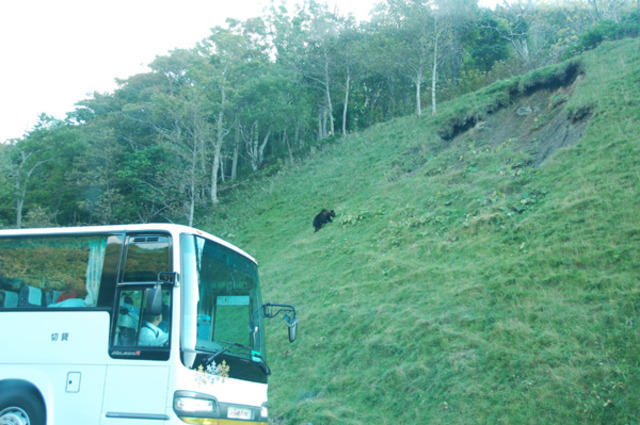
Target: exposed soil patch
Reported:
point(538, 122)
point(536, 118)
point(533, 117)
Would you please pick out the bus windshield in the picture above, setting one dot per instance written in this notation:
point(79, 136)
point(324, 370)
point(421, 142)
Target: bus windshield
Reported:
point(221, 305)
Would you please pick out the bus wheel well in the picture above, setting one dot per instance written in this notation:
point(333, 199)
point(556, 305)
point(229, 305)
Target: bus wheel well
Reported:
point(20, 385)
point(25, 396)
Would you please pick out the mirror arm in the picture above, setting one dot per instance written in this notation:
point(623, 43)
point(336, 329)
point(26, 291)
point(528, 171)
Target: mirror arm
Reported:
point(281, 308)
point(168, 277)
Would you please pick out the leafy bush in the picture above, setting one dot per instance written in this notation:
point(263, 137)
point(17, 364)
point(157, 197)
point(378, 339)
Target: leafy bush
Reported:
point(603, 30)
point(607, 30)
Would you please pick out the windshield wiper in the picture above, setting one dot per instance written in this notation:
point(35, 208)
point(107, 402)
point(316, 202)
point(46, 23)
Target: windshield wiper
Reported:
point(256, 356)
point(228, 346)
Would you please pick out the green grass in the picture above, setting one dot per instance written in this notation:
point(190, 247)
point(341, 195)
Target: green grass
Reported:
point(459, 284)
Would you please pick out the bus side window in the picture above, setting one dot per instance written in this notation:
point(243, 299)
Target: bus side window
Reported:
point(128, 321)
point(134, 324)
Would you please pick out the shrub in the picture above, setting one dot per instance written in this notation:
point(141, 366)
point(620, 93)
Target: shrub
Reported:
point(607, 30)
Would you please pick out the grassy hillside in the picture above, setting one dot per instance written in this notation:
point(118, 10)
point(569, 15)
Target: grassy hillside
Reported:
point(483, 267)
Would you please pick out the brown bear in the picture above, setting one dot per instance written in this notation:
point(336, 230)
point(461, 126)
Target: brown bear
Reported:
point(322, 218)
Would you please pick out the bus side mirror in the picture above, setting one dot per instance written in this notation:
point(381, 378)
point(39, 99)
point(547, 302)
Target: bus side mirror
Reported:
point(153, 300)
point(270, 311)
point(292, 323)
point(153, 296)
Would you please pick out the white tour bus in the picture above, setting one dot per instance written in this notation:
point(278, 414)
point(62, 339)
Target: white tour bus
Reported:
point(137, 324)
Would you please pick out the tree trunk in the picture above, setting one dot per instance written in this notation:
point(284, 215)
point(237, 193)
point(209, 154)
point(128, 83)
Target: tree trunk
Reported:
point(21, 193)
point(234, 161)
point(192, 184)
point(596, 13)
point(214, 174)
point(221, 133)
point(223, 160)
point(217, 149)
point(19, 204)
point(522, 47)
point(418, 90)
point(320, 129)
point(434, 76)
point(262, 146)
point(322, 123)
point(346, 104)
point(296, 136)
point(255, 149)
point(327, 89)
point(285, 140)
point(192, 210)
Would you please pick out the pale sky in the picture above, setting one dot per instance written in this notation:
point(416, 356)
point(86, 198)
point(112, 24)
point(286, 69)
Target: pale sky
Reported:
point(54, 53)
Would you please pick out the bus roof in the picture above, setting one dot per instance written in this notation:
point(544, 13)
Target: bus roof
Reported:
point(174, 229)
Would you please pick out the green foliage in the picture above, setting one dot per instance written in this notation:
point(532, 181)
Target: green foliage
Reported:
point(596, 35)
point(606, 30)
point(353, 218)
point(485, 45)
point(257, 96)
point(460, 282)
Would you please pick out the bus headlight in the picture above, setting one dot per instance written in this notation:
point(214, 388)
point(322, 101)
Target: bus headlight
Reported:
point(264, 411)
point(189, 405)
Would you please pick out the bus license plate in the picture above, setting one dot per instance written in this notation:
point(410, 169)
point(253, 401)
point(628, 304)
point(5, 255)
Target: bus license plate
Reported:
point(238, 413)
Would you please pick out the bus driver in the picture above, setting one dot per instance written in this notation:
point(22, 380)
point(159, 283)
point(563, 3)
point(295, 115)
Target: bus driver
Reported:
point(151, 334)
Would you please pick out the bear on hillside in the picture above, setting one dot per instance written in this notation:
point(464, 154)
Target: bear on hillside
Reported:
point(322, 218)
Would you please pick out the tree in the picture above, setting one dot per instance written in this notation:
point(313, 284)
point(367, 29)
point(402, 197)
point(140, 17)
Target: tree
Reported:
point(514, 23)
point(230, 51)
point(260, 100)
point(23, 157)
point(412, 31)
point(307, 44)
point(254, 91)
point(120, 173)
point(19, 165)
point(351, 57)
point(450, 17)
point(385, 90)
point(183, 122)
point(484, 45)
